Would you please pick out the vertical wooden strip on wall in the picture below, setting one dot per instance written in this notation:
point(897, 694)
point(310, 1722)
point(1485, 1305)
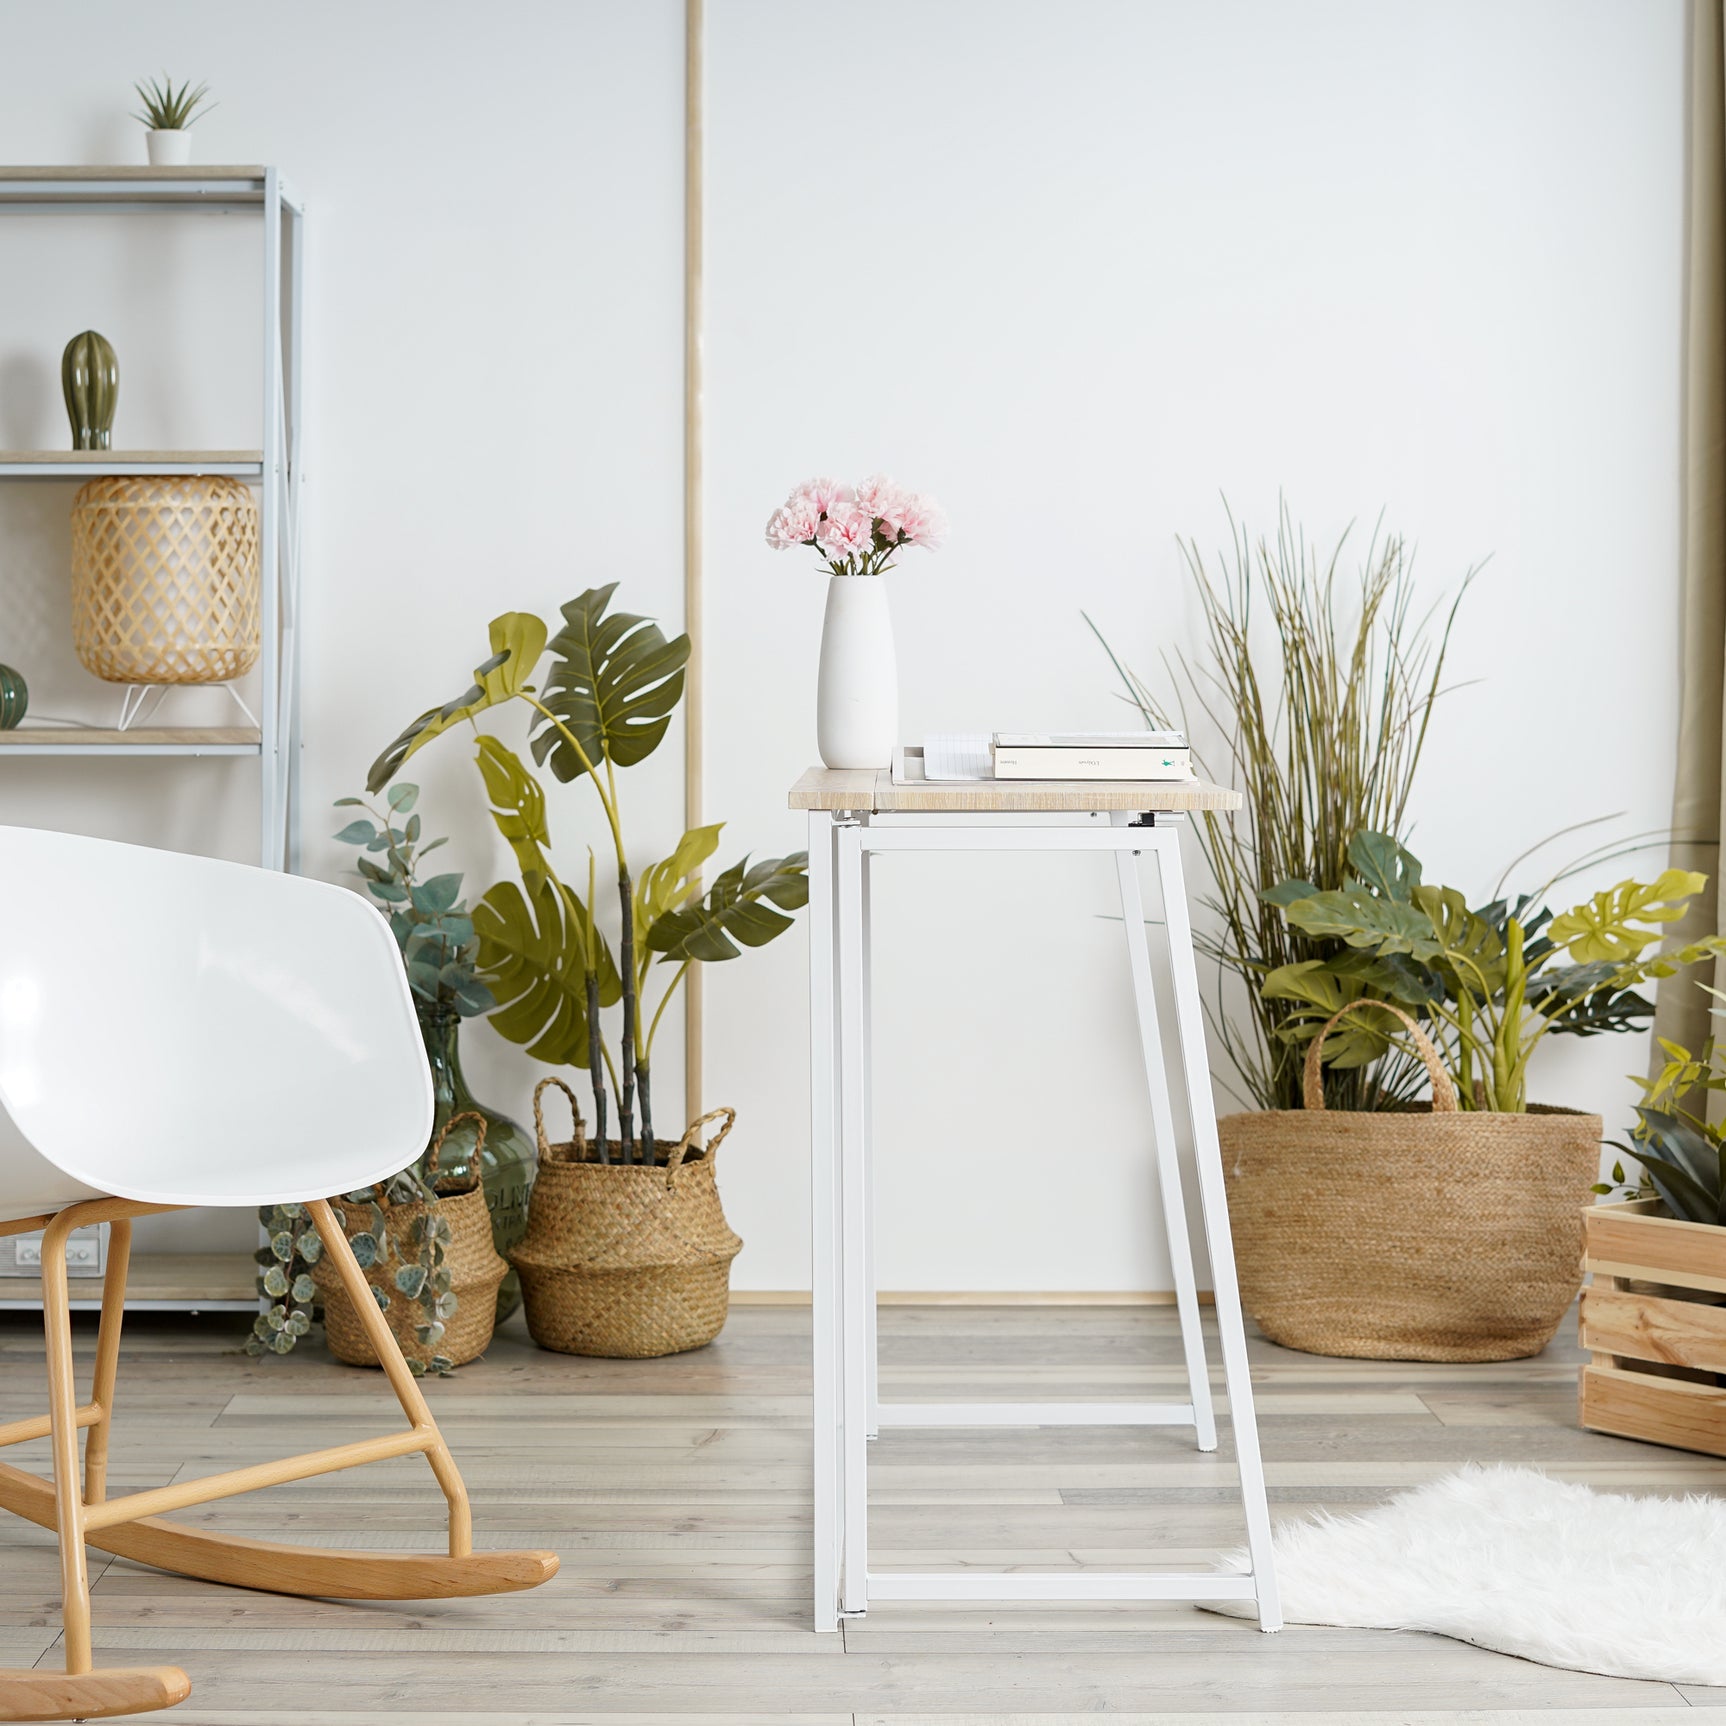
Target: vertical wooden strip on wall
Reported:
point(693, 800)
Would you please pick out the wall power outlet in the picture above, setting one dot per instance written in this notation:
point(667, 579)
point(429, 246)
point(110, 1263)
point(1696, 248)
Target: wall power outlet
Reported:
point(84, 1255)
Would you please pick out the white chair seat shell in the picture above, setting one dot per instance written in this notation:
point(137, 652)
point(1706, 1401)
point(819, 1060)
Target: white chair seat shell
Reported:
point(184, 1031)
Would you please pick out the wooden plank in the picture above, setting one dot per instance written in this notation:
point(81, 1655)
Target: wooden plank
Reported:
point(1659, 1410)
point(45, 740)
point(1627, 1240)
point(131, 171)
point(872, 791)
point(1650, 1327)
point(108, 457)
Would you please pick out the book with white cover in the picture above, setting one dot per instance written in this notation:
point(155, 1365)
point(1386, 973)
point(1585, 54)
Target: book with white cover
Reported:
point(1126, 755)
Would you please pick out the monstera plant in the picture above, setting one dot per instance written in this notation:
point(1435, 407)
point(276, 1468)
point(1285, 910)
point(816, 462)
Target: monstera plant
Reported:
point(603, 702)
point(1492, 982)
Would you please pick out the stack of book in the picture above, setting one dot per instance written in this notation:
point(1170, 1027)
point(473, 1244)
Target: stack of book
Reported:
point(1135, 755)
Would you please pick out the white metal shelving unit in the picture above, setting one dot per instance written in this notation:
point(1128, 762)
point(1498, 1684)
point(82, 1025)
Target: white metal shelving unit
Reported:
point(274, 469)
point(203, 1282)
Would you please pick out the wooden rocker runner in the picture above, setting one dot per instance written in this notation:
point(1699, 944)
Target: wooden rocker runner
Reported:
point(261, 1008)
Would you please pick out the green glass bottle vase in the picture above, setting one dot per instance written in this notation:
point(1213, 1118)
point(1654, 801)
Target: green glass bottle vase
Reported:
point(509, 1159)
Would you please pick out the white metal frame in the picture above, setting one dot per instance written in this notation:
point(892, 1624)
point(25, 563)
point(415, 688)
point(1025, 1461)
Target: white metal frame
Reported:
point(847, 1408)
point(277, 472)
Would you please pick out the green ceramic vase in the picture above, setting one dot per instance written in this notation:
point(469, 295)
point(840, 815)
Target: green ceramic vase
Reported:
point(90, 378)
point(14, 697)
point(509, 1160)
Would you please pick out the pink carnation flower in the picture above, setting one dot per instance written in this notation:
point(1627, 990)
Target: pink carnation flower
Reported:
point(794, 523)
point(823, 495)
point(847, 532)
point(885, 501)
point(923, 522)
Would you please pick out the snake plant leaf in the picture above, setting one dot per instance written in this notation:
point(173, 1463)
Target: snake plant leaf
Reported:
point(1363, 919)
point(614, 683)
point(532, 947)
point(517, 641)
point(737, 908)
point(1384, 865)
point(1607, 926)
point(671, 883)
point(518, 806)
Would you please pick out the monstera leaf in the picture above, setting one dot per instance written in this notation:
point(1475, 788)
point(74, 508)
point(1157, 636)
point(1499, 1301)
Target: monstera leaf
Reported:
point(1606, 926)
point(533, 948)
point(738, 907)
point(668, 885)
point(518, 806)
point(517, 640)
point(1318, 992)
point(1362, 919)
point(1384, 865)
point(614, 683)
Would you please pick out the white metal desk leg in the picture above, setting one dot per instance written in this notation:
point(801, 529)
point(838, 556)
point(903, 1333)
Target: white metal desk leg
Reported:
point(871, 1355)
point(824, 1197)
point(1207, 1156)
point(1167, 1153)
point(854, 1277)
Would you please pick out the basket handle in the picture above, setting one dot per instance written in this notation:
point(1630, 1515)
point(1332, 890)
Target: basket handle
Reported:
point(1312, 1079)
point(578, 1138)
point(437, 1145)
point(681, 1149)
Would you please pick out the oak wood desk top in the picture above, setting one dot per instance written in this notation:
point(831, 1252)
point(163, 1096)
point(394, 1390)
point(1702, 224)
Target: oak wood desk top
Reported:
point(871, 791)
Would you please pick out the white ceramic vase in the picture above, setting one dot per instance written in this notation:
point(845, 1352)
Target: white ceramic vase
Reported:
point(168, 147)
point(857, 706)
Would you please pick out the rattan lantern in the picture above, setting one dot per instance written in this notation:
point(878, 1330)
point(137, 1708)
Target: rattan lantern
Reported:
point(165, 579)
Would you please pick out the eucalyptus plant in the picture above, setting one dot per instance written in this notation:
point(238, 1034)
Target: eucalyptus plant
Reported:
point(429, 919)
point(1493, 981)
point(1321, 688)
point(610, 686)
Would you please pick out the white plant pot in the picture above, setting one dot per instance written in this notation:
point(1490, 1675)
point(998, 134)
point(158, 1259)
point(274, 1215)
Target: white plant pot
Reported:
point(169, 148)
point(857, 706)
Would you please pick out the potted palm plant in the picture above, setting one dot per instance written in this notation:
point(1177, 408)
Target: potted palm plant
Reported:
point(626, 1250)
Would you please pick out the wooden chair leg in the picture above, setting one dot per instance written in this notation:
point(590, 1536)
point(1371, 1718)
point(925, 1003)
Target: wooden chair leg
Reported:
point(63, 1416)
point(107, 1360)
point(402, 1382)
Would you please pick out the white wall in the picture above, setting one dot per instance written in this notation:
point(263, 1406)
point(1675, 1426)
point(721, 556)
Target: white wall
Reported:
point(1073, 268)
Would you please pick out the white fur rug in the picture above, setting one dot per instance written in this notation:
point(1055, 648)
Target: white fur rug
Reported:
point(1511, 1560)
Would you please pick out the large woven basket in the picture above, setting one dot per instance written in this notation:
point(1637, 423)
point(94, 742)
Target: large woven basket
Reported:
point(469, 1255)
point(1429, 1234)
point(622, 1260)
point(165, 578)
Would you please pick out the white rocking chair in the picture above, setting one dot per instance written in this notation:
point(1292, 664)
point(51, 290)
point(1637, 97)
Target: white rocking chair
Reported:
point(174, 1032)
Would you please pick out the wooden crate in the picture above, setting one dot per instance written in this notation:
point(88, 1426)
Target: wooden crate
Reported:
point(1655, 1321)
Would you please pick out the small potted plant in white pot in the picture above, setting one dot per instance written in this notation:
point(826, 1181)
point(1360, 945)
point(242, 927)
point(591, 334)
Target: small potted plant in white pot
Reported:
point(166, 116)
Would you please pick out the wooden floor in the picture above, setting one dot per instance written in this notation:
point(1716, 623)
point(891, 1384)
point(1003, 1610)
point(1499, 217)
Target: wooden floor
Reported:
point(677, 1492)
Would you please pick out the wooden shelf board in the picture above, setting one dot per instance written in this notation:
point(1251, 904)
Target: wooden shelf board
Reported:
point(130, 171)
point(47, 740)
point(872, 791)
point(176, 1279)
point(101, 457)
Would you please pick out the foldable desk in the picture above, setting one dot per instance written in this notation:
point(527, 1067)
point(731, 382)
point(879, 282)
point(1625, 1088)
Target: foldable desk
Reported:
point(854, 817)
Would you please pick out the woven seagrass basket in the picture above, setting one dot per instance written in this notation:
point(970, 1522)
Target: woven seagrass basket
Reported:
point(1429, 1234)
point(622, 1260)
point(469, 1255)
point(165, 579)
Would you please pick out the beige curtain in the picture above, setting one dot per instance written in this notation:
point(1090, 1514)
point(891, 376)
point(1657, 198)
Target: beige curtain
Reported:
point(1683, 1009)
